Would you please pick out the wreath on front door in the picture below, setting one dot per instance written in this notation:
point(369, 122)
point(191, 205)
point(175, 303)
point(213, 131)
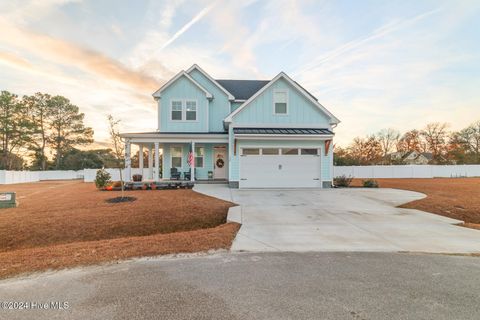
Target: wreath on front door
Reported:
point(220, 163)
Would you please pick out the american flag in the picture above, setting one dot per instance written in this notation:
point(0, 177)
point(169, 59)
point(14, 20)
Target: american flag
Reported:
point(190, 158)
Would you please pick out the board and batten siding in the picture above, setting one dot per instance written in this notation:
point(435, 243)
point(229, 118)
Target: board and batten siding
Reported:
point(219, 106)
point(300, 111)
point(326, 160)
point(180, 90)
point(235, 105)
point(201, 173)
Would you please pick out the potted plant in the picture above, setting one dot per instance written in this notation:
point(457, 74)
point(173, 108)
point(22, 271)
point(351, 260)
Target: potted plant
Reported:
point(117, 185)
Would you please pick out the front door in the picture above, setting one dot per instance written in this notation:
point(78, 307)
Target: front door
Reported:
point(220, 163)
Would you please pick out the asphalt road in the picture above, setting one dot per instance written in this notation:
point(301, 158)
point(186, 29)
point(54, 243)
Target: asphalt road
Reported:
point(259, 286)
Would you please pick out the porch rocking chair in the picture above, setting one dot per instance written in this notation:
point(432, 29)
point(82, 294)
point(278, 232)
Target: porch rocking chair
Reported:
point(188, 174)
point(174, 174)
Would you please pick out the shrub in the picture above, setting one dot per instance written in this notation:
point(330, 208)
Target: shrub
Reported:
point(370, 183)
point(102, 178)
point(137, 177)
point(342, 181)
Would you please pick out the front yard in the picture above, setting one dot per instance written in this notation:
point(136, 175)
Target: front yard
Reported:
point(67, 223)
point(457, 198)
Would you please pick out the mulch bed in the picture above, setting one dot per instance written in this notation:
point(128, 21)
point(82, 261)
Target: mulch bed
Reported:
point(120, 199)
point(457, 198)
point(57, 224)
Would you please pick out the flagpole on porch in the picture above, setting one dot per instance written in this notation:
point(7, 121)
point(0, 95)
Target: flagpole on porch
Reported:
point(192, 175)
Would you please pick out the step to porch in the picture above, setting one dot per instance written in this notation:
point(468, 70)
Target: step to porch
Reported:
point(219, 181)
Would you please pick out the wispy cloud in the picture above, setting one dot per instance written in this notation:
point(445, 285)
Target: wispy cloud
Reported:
point(14, 60)
point(374, 70)
point(65, 52)
point(189, 24)
point(380, 32)
point(237, 37)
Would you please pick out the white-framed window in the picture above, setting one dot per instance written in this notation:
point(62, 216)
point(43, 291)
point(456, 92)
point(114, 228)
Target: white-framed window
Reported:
point(309, 152)
point(290, 151)
point(191, 110)
point(176, 110)
point(270, 151)
point(176, 157)
point(250, 151)
point(280, 102)
point(199, 156)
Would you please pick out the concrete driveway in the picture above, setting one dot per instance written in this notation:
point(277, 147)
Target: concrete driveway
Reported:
point(340, 220)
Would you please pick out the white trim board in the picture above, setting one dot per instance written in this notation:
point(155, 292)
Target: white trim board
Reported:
point(283, 75)
point(278, 137)
point(280, 125)
point(197, 67)
point(157, 94)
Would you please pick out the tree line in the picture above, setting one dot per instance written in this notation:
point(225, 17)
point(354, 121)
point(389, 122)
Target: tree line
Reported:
point(389, 146)
point(47, 130)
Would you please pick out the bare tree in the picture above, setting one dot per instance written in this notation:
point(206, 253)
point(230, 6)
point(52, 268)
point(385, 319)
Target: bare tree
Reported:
point(118, 144)
point(411, 141)
point(367, 151)
point(388, 139)
point(470, 138)
point(435, 135)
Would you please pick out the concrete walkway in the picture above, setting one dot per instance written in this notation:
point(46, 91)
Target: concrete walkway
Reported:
point(340, 220)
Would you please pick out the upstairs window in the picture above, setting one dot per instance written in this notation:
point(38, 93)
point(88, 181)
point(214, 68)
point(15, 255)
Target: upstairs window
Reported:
point(280, 102)
point(191, 113)
point(176, 110)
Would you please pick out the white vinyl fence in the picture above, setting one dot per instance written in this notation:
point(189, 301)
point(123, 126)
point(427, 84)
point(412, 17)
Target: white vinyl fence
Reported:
point(9, 177)
point(88, 175)
point(408, 171)
point(400, 171)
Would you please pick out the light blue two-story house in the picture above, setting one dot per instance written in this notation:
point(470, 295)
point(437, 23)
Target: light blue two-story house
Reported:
point(249, 133)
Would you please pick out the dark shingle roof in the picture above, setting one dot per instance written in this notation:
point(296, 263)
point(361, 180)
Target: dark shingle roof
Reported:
point(242, 89)
point(291, 131)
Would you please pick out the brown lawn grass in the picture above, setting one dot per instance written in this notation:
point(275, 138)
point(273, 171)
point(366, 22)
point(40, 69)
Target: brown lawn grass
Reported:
point(457, 198)
point(68, 223)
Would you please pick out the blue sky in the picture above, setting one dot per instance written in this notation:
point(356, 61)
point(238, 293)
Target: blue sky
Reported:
point(374, 64)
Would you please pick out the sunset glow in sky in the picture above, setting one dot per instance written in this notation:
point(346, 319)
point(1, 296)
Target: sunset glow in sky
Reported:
point(374, 64)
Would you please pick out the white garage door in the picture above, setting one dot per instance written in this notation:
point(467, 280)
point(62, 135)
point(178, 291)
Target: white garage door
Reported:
point(280, 168)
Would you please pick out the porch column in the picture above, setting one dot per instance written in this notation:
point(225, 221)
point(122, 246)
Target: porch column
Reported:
point(128, 161)
point(192, 176)
point(157, 163)
point(150, 162)
point(140, 159)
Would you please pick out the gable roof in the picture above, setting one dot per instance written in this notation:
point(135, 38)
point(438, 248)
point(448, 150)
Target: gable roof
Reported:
point(283, 75)
point(243, 89)
point(157, 94)
point(215, 82)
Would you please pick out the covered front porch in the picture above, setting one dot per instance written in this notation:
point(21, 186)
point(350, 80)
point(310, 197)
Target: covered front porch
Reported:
point(175, 156)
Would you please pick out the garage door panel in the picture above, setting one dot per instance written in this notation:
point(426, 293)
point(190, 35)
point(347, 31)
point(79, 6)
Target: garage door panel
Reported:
point(282, 171)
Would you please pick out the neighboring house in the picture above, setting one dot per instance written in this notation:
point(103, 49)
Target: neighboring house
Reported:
point(251, 133)
point(413, 157)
